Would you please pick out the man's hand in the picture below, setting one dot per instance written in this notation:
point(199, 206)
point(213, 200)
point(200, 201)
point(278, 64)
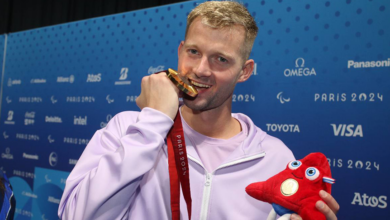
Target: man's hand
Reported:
point(158, 92)
point(329, 208)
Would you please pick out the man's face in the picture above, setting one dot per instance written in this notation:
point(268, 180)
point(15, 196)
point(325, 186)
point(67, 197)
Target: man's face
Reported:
point(213, 62)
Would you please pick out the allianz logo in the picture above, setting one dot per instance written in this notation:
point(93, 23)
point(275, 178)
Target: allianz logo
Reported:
point(14, 82)
point(369, 201)
point(94, 77)
point(31, 156)
point(53, 119)
point(300, 69)
point(283, 128)
point(368, 64)
point(80, 120)
point(61, 79)
point(347, 130)
point(7, 155)
point(156, 69)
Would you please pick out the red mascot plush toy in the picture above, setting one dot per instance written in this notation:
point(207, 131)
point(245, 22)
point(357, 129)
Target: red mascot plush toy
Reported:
point(296, 189)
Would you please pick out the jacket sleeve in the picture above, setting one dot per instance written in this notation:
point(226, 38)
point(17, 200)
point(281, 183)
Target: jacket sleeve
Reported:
point(106, 176)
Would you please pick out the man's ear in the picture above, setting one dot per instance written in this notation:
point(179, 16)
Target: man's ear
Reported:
point(246, 71)
point(180, 48)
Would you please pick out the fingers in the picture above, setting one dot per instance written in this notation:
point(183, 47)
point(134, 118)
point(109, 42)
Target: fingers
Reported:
point(295, 217)
point(330, 201)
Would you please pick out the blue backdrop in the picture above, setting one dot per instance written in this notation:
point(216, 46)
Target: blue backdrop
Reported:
point(321, 83)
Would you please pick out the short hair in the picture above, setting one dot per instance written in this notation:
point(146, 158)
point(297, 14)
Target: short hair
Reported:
point(221, 14)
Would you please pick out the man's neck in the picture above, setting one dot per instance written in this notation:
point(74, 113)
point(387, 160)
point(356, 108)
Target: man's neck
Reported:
point(215, 123)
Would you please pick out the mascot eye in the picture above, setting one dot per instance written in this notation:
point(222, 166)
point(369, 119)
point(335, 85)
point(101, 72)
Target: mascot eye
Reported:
point(294, 164)
point(312, 173)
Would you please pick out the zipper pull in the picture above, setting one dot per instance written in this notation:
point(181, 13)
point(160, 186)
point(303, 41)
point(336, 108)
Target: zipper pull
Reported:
point(208, 179)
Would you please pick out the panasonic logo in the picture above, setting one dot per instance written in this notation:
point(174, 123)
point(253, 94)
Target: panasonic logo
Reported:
point(30, 156)
point(368, 64)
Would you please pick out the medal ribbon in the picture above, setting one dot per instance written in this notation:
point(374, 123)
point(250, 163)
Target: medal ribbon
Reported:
point(178, 168)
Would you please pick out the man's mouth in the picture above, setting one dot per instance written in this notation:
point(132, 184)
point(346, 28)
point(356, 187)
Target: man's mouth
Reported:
point(199, 85)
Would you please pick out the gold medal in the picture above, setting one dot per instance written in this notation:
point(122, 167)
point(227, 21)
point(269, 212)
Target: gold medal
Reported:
point(289, 187)
point(185, 87)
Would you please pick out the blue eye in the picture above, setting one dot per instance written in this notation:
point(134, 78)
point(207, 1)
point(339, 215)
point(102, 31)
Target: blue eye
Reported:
point(312, 173)
point(293, 165)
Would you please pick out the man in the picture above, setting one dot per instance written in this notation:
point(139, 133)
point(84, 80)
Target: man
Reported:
point(123, 172)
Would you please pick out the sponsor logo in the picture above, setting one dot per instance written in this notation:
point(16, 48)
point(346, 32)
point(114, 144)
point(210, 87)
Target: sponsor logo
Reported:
point(29, 118)
point(72, 161)
point(349, 130)
point(12, 82)
point(94, 78)
point(7, 155)
point(53, 119)
point(368, 64)
point(281, 98)
point(283, 128)
point(10, 118)
point(37, 81)
point(30, 99)
point(28, 194)
point(353, 97)
point(8, 100)
point(61, 79)
point(53, 100)
point(369, 201)
point(123, 77)
point(104, 124)
point(156, 69)
point(48, 180)
point(50, 139)
point(31, 156)
point(5, 135)
point(53, 159)
point(79, 120)
point(83, 99)
point(300, 69)
point(79, 141)
point(53, 200)
point(29, 137)
point(109, 100)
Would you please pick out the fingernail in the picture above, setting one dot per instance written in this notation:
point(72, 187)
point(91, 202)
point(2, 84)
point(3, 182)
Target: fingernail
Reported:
point(320, 204)
point(323, 194)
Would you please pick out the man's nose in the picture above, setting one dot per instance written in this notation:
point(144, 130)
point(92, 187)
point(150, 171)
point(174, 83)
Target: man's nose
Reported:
point(202, 69)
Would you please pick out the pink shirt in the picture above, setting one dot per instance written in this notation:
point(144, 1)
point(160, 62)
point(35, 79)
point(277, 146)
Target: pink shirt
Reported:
point(213, 151)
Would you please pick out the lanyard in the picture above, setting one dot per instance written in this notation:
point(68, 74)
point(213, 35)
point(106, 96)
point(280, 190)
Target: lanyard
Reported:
point(178, 168)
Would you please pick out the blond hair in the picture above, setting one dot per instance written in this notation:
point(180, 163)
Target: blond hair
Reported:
point(222, 14)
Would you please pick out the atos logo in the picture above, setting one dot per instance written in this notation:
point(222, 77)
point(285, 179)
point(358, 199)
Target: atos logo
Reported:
point(345, 130)
point(94, 77)
point(369, 201)
point(123, 77)
point(300, 69)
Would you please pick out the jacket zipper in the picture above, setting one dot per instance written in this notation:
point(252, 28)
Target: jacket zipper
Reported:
point(209, 176)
